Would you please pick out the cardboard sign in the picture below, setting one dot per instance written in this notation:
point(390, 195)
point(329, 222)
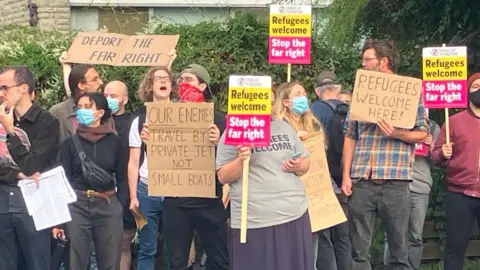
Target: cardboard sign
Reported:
point(121, 50)
point(421, 149)
point(445, 77)
point(323, 206)
point(290, 38)
point(181, 159)
point(249, 110)
point(378, 95)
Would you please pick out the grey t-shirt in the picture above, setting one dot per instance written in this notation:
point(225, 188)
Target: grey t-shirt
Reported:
point(422, 176)
point(274, 196)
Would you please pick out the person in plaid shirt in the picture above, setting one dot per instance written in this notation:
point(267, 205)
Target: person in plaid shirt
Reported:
point(378, 161)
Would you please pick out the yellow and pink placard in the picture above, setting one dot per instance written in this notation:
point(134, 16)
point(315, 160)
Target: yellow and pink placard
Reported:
point(423, 149)
point(445, 77)
point(249, 110)
point(290, 38)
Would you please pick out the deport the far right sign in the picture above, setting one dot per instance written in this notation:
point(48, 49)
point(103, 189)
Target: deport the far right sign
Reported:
point(445, 77)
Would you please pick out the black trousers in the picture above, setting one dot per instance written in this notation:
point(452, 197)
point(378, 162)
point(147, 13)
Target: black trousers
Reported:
point(101, 220)
point(461, 212)
point(209, 222)
point(20, 240)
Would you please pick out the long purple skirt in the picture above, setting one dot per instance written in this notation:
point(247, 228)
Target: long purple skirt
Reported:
point(282, 247)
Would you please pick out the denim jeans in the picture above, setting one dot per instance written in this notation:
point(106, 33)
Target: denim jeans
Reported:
point(418, 211)
point(152, 209)
point(20, 240)
point(391, 200)
point(326, 253)
point(341, 238)
point(333, 244)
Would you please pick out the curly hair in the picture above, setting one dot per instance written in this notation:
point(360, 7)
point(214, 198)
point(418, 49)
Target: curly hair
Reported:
point(145, 91)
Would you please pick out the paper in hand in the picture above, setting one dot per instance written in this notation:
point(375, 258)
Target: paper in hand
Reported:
point(140, 219)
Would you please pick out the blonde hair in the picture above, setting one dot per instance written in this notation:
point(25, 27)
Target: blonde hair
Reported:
point(145, 91)
point(307, 121)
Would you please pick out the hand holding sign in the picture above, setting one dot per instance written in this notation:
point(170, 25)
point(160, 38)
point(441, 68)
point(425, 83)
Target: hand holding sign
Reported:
point(387, 128)
point(244, 152)
point(428, 140)
point(447, 150)
point(302, 135)
point(213, 134)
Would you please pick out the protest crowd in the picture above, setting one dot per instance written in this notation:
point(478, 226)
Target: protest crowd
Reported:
point(105, 152)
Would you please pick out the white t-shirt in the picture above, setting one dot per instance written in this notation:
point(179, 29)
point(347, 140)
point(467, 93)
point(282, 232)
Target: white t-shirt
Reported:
point(135, 141)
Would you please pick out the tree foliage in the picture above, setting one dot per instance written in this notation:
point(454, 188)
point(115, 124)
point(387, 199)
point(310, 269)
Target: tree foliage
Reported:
point(238, 45)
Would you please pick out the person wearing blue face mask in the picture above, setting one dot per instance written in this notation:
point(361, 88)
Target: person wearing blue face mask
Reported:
point(292, 105)
point(98, 210)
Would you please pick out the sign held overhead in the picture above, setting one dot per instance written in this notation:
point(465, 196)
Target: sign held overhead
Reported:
point(122, 50)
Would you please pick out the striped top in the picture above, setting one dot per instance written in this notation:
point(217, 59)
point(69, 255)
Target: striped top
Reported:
point(381, 157)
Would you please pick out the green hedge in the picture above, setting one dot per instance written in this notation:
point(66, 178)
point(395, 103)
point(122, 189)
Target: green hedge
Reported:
point(237, 45)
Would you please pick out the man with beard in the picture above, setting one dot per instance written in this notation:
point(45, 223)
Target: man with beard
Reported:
point(378, 170)
point(30, 134)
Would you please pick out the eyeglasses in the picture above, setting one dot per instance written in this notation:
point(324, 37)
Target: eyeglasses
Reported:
point(96, 79)
point(161, 79)
point(364, 60)
point(6, 87)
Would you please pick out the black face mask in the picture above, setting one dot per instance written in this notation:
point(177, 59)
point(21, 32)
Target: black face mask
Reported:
point(474, 98)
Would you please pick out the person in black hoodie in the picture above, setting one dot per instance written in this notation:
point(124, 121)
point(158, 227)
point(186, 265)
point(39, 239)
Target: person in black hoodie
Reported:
point(182, 217)
point(98, 212)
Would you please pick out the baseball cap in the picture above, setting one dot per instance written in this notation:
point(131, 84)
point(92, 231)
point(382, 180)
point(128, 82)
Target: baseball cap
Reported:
point(326, 78)
point(198, 71)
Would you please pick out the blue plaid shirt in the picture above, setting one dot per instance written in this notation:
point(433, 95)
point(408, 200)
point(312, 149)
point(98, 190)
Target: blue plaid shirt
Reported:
point(381, 157)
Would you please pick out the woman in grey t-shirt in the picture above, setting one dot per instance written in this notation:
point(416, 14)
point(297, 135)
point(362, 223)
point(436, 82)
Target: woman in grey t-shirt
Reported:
point(279, 233)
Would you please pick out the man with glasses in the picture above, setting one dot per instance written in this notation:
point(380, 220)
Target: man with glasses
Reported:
point(82, 79)
point(377, 171)
point(28, 146)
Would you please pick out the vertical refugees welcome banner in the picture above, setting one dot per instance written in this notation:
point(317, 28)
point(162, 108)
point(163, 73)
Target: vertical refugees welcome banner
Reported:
point(290, 38)
point(445, 77)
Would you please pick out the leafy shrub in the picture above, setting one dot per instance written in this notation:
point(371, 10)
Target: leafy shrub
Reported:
point(238, 45)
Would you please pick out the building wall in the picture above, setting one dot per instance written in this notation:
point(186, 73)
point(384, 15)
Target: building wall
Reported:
point(13, 12)
point(52, 14)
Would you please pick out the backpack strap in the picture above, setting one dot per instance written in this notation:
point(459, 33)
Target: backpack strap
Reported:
point(78, 147)
point(143, 149)
point(330, 104)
